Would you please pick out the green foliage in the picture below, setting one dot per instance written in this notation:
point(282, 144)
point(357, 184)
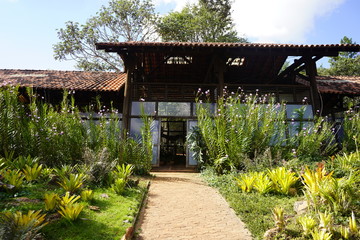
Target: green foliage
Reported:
point(205, 22)
point(347, 63)
point(119, 186)
point(68, 199)
point(121, 20)
point(197, 146)
point(22, 226)
point(123, 171)
point(73, 182)
point(71, 212)
point(321, 235)
point(283, 180)
point(246, 181)
point(307, 223)
point(51, 201)
point(279, 218)
point(13, 177)
point(263, 184)
point(87, 195)
point(32, 173)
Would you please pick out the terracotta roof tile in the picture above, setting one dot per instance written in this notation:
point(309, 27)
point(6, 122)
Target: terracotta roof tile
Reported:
point(77, 80)
point(347, 85)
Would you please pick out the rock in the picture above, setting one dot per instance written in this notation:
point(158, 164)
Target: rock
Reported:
point(104, 195)
point(301, 207)
point(94, 208)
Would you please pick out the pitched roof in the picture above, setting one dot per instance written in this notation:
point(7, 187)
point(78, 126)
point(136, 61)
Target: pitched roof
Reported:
point(291, 49)
point(345, 85)
point(76, 80)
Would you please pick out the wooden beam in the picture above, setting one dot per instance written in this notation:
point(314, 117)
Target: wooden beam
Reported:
point(130, 66)
point(311, 72)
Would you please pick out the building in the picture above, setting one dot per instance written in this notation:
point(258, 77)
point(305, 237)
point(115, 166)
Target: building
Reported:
point(164, 78)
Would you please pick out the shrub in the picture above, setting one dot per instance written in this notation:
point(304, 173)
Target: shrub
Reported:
point(31, 173)
point(13, 177)
point(283, 180)
point(87, 195)
point(71, 212)
point(123, 171)
point(68, 199)
point(73, 182)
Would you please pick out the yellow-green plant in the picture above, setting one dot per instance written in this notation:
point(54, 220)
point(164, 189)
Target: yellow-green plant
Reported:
point(262, 183)
point(73, 182)
point(13, 177)
point(87, 195)
point(123, 171)
point(325, 221)
point(68, 199)
point(283, 180)
point(278, 216)
point(22, 226)
point(51, 201)
point(119, 185)
point(307, 223)
point(71, 212)
point(246, 181)
point(344, 232)
point(353, 229)
point(31, 173)
point(321, 235)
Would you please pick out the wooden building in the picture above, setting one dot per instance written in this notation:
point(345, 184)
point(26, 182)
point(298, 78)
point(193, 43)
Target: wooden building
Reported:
point(164, 78)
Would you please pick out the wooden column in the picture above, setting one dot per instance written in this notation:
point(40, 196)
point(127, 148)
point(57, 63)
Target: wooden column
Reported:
point(311, 72)
point(219, 69)
point(129, 62)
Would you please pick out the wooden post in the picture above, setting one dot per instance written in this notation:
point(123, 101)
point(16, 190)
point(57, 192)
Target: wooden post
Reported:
point(219, 69)
point(311, 72)
point(130, 66)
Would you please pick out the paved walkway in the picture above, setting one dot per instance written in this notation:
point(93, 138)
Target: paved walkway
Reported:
point(181, 206)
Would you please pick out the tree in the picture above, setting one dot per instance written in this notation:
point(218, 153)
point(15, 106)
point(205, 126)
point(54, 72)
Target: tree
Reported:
point(121, 20)
point(347, 63)
point(209, 21)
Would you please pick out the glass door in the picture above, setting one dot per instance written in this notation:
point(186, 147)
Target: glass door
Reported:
point(190, 161)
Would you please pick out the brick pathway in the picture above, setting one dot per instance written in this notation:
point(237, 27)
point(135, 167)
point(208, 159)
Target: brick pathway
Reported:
point(181, 206)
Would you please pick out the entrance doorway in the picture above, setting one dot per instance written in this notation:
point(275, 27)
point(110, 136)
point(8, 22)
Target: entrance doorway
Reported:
point(172, 143)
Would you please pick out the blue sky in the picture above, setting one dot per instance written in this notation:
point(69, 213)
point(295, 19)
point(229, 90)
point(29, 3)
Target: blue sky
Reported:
point(28, 27)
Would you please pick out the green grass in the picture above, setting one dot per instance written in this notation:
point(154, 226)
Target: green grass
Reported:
point(115, 216)
point(253, 209)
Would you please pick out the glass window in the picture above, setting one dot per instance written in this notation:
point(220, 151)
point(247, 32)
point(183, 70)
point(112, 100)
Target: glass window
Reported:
point(174, 109)
point(190, 154)
point(295, 111)
point(286, 97)
point(294, 127)
point(154, 160)
point(208, 106)
point(149, 108)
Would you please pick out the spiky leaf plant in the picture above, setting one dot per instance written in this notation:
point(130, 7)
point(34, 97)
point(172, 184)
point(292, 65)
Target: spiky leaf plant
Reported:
point(87, 195)
point(283, 179)
point(51, 201)
point(279, 218)
point(22, 226)
point(246, 181)
point(123, 171)
point(321, 235)
point(68, 199)
point(119, 186)
point(71, 212)
point(307, 223)
point(262, 183)
point(31, 173)
point(13, 177)
point(73, 182)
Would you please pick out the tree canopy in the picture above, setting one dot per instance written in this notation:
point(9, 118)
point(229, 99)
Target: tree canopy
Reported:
point(208, 21)
point(346, 64)
point(121, 20)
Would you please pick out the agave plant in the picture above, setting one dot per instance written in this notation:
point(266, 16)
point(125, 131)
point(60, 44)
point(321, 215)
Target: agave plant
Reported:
point(73, 182)
point(51, 201)
point(31, 173)
point(325, 221)
point(22, 226)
